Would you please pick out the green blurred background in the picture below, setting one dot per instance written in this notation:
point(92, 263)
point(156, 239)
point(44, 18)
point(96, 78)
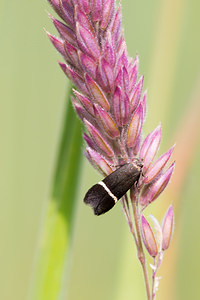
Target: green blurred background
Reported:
point(166, 35)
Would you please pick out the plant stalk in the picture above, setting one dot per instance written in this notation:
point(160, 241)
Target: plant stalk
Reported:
point(140, 251)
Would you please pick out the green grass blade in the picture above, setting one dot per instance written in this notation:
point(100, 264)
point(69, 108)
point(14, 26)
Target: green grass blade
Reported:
point(57, 228)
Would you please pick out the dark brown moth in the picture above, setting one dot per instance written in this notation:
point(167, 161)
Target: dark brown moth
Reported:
point(106, 193)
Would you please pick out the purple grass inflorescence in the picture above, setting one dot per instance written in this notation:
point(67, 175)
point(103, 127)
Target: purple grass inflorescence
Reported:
point(110, 101)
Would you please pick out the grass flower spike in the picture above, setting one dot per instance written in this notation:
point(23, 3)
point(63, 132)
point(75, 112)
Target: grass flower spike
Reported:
point(110, 101)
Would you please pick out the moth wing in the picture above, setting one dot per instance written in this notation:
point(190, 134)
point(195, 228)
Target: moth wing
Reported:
point(98, 198)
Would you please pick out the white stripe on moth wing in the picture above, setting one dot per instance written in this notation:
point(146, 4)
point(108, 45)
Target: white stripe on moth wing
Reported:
point(108, 191)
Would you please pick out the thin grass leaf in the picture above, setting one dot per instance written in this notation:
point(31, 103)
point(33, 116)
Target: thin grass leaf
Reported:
point(57, 229)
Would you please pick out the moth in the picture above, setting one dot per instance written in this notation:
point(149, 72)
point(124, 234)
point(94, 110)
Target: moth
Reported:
point(106, 193)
